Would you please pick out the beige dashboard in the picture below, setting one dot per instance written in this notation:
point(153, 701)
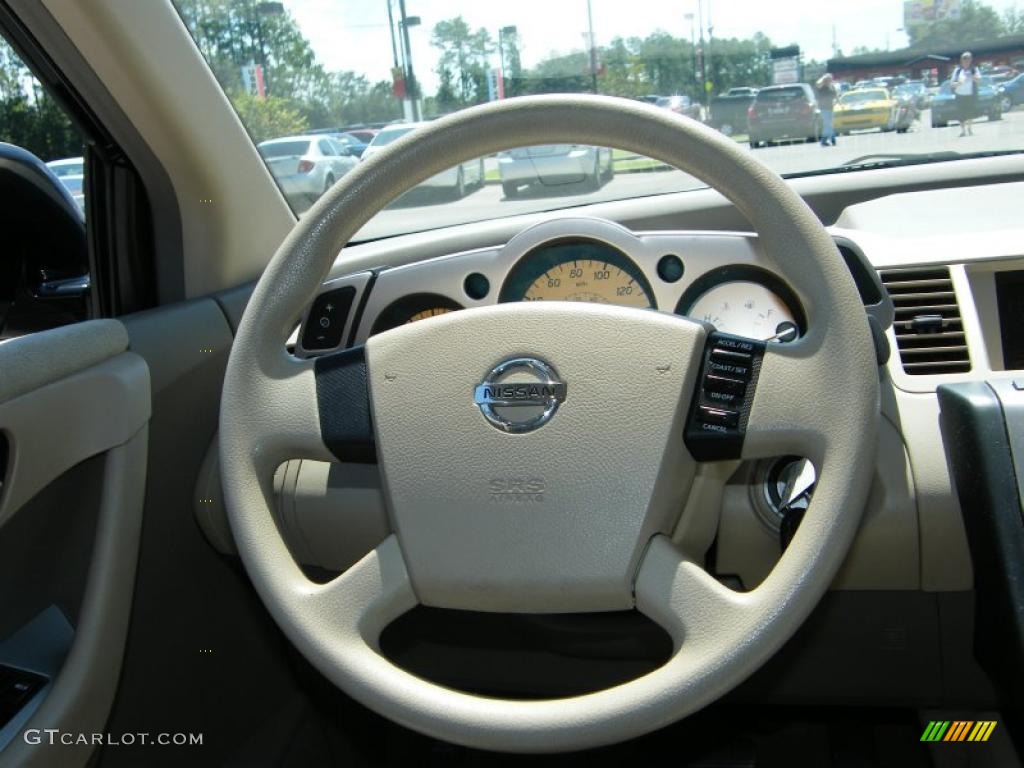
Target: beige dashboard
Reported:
point(912, 536)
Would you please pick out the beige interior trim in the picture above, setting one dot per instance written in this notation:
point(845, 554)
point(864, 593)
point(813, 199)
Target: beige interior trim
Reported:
point(30, 361)
point(52, 428)
point(82, 695)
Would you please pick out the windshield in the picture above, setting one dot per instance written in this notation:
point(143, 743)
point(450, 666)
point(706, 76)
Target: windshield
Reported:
point(379, 68)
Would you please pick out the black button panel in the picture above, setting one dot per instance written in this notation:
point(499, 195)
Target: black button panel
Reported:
point(725, 391)
point(17, 687)
point(327, 317)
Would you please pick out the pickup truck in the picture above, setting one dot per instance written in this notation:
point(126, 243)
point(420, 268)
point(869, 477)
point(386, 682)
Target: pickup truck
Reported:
point(729, 110)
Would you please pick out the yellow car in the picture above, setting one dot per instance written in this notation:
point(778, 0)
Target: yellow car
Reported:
point(865, 108)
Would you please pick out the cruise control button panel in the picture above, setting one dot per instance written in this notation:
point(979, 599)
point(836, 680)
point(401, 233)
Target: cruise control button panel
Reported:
point(326, 320)
point(725, 392)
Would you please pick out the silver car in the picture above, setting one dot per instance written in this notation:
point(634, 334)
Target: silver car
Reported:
point(306, 166)
point(554, 166)
point(456, 181)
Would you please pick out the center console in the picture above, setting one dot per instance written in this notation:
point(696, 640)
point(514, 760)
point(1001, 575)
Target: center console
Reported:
point(983, 432)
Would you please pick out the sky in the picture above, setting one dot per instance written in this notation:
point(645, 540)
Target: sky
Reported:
point(353, 34)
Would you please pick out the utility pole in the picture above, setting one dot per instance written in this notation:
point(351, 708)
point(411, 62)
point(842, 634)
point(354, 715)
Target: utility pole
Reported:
point(391, 29)
point(394, 57)
point(701, 64)
point(593, 49)
point(410, 77)
point(264, 10)
point(707, 61)
point(509, 30)
point(693, 46)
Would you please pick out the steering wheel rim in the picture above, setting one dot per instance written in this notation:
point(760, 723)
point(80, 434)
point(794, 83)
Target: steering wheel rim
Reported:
point(817, 397)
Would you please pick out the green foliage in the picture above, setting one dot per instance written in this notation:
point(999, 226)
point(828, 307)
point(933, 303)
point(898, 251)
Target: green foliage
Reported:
point(1013, 21)
point(268, 118)
point(463, 64)
point(29, 117)
point(232, 34)
point(657, 64)
point(666, 63)
point(977, 22)
point(735, 62)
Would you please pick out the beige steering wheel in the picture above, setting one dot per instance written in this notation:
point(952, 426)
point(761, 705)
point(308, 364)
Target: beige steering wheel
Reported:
point(611, 461)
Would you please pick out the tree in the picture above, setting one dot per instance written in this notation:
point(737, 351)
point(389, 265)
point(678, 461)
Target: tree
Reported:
point(29, 116)
point(738, 62)
point(667, 63)
point(623, 72)
point(268, 118)
point(567, 73)
point(657, 64)
point(463, 64)
point(349, 97)
point(233, 34)
point(976, 22)
point(1013, 21)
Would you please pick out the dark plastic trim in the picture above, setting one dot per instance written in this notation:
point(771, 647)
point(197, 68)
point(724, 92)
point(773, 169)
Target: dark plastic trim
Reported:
point(977, 445)
point(343, 397)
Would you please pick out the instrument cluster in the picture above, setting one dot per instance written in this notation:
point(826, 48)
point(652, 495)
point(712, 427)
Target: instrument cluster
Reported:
point(723, 279)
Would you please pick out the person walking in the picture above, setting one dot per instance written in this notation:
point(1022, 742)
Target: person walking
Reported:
point(826, 93)
point(965, 81)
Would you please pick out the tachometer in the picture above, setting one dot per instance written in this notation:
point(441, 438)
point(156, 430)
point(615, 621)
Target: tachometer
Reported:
point(424, 314)
point(578, 270)
point(412, 309)
point(744, 301)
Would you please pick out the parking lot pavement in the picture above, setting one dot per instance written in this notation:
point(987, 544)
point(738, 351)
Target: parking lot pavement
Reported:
point(418, 213)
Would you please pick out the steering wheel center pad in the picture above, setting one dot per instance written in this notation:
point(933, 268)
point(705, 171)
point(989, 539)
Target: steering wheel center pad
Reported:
point(554, 519)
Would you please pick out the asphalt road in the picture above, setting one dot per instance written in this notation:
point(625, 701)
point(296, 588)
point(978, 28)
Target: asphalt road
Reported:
point(420, 213)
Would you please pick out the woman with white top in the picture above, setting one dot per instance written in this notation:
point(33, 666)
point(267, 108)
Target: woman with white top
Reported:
point(966, 78)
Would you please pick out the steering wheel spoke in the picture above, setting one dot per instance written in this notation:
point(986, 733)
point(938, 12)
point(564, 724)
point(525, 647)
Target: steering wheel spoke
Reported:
point(792, 404)
point(279, 413)
point(362, 601)
point(685, 600)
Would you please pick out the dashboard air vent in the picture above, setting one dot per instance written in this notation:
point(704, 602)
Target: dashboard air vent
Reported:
point(929, 331)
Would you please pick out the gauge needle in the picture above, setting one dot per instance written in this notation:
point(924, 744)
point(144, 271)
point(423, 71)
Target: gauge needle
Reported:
point(784, 332)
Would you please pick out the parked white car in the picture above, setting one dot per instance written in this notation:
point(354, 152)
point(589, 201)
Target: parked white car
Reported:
point(71, 172)
point(457, 181)
point(306, 166)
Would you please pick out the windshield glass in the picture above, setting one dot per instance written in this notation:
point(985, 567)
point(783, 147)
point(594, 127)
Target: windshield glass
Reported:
point(380, 68)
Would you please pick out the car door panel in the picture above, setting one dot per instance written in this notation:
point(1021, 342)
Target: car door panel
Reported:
point(203, 655)
point(74, 412)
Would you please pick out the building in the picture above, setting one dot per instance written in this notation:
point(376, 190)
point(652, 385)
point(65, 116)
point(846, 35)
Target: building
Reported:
point(933, 63)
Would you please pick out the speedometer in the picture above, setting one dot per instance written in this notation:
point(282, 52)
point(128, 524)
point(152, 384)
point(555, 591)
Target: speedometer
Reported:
point(578, 270)
point(588, 280)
